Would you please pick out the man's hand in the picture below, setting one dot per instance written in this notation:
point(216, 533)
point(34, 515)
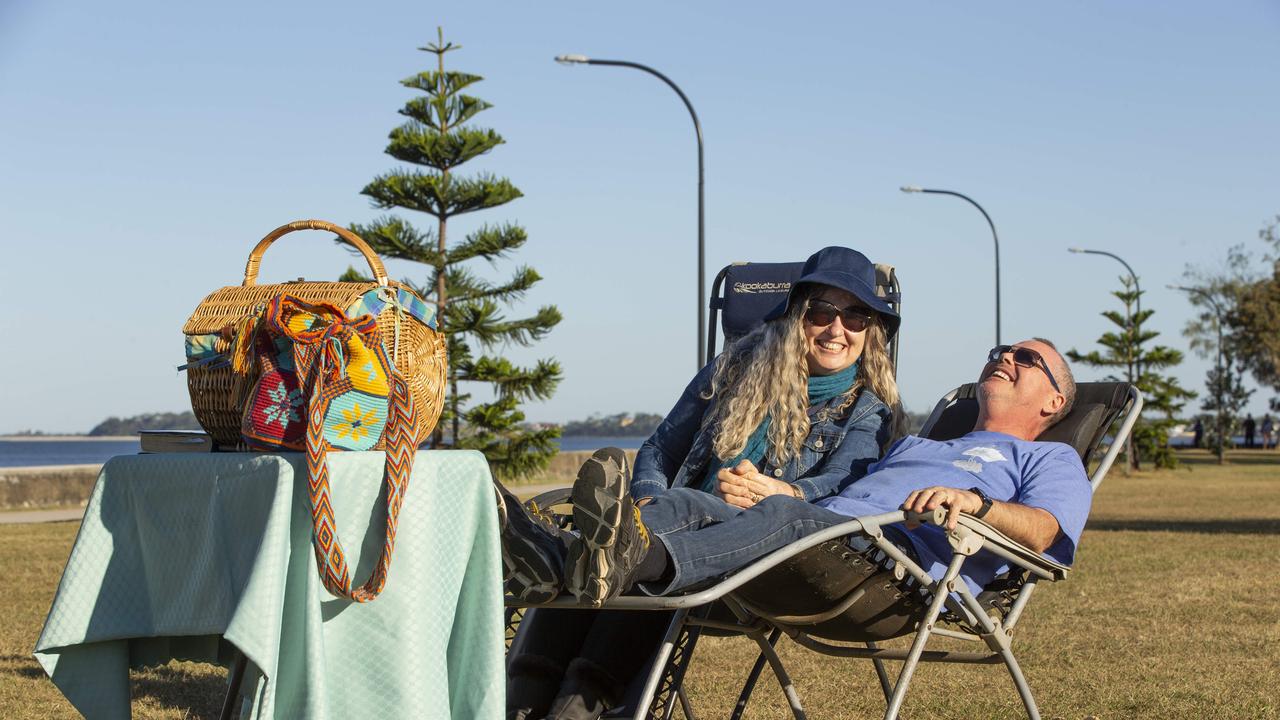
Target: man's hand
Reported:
point(743, 485)
point(1031, 526)
point(954, 500)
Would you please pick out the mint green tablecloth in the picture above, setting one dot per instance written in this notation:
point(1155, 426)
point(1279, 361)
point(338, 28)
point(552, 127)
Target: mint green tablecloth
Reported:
point(178, 549)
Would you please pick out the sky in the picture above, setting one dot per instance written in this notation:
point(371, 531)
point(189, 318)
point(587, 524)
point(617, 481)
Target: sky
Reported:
point(146, 146)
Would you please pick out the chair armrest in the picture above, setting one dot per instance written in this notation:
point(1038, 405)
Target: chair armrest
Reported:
point(968, 526)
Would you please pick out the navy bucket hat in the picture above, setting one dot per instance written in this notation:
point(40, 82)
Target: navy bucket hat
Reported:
point(848, 270)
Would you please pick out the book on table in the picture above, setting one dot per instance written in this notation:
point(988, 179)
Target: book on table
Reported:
point(175, 441)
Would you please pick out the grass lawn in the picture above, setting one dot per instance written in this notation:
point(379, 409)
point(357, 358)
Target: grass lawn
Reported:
point(1173, 611)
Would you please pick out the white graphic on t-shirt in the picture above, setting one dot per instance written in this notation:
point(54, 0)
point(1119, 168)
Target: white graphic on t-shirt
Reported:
point(985, 454)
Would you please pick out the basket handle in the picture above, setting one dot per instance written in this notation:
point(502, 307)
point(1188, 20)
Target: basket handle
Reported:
point(255, 257)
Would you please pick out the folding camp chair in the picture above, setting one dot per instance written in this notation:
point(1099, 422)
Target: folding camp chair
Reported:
point(797, 590)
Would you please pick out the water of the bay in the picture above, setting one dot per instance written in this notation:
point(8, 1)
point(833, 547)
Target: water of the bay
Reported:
point(26, 453)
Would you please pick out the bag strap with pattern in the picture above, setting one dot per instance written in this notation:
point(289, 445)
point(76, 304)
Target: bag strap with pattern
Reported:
point(317, 356)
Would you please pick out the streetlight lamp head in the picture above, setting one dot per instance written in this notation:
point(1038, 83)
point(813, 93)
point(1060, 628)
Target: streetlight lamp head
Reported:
point(572, 59)
point(911, 189)
point(1076, 250)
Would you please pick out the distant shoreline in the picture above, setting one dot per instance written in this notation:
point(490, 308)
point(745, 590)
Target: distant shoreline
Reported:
point(66, 438)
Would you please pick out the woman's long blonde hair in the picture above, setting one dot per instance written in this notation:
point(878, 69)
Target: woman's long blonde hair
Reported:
point(766, 373)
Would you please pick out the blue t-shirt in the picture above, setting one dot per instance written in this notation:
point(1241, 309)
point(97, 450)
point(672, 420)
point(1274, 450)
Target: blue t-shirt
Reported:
point(1045, 475)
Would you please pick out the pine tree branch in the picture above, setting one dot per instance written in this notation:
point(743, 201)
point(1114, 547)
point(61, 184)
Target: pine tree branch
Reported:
point(437, 84)
point(392, 237)
point(463, 285)
point(529, 330)
point(490, 242)
point(523, 384)
point(437, 195)
point(444, 111)
point(513, 290)
point(421, 144)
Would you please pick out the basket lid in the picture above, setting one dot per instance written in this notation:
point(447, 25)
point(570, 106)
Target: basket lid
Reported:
point(224, 306)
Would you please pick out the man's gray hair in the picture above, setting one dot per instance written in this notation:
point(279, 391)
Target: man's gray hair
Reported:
point(1066, 383)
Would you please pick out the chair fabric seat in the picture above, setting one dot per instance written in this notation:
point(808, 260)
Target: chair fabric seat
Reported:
point(822, 578)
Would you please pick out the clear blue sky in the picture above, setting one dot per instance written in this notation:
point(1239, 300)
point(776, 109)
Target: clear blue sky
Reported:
point(147, 145)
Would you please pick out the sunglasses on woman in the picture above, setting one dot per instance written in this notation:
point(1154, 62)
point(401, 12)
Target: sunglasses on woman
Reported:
point(821, 313)
point(1023, 357)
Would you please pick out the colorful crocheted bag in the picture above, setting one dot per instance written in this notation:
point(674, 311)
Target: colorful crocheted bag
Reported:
point(326, 384)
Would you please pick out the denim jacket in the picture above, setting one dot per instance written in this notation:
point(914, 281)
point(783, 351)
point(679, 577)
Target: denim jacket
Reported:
point(836, 452)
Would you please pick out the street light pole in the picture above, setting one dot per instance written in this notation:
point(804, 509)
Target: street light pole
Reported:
point(994, 237)
point(697, 128)
point(1218, 389)
point(1135, 366)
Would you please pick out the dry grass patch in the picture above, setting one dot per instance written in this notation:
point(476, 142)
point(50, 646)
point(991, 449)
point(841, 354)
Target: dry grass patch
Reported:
point(35, 555)
point(1170, 613)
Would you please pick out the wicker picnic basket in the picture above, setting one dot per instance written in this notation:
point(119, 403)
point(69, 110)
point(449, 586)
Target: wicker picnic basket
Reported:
point(407, 325)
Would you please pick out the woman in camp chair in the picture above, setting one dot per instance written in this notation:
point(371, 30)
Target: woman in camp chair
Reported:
point(801, 406)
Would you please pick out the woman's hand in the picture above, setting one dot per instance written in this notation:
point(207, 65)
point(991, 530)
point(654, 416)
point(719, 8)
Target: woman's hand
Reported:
point(743, 486)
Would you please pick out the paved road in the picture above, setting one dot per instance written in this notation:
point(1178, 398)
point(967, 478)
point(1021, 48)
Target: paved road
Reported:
point(528, 491)
point(10, 517)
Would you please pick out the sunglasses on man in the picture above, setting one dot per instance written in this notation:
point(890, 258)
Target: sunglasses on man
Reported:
point(1023, 357)
point(821, 313)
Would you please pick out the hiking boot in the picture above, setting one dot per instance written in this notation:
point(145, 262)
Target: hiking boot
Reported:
point(533, 550)
point(611, 538)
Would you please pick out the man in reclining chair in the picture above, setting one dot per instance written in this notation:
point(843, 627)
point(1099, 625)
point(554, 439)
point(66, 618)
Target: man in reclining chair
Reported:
point(1036, 493)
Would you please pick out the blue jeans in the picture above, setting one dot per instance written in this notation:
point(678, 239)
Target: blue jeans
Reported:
point(707, 537)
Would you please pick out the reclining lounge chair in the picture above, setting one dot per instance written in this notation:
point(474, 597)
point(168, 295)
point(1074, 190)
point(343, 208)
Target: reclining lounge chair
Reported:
point(815, 591)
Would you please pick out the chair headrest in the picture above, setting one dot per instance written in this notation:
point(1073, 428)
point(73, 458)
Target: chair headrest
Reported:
point(1097, 406)
point(751, 290)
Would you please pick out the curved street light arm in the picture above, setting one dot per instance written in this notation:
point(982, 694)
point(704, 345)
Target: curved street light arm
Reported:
point(994, 237)
point(697, 127)
point(1132, 275)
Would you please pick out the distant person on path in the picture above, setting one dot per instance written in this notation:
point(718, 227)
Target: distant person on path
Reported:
point(1198, 429)
point(799, 407)
point(1268, 430)
point(1249, 427)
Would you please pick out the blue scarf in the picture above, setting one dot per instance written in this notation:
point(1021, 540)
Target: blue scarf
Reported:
point(822, 388)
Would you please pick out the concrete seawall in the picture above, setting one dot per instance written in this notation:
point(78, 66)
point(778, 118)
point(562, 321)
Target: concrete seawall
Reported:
point(563, 468)
point(28, 488)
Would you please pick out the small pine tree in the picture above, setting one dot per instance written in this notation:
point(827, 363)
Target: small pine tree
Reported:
point(438, 137)
point(1163, 396)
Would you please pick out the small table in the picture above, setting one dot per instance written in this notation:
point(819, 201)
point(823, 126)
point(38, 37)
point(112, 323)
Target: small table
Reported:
point(179, 551)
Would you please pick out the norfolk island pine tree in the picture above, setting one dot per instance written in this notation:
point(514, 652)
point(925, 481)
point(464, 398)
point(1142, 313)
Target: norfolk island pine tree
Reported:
point(1127, 347)
point(437, 138)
